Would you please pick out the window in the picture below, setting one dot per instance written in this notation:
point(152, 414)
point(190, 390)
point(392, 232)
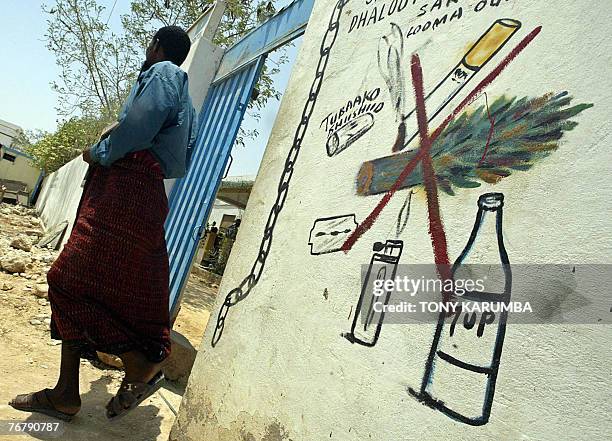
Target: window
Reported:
point(9, 157)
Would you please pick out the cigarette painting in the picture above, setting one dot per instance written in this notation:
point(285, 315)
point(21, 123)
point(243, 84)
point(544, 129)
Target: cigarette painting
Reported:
point(391, 61)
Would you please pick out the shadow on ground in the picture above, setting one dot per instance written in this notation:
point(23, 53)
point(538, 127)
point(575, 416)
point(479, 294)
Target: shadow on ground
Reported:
point(199, 295)
point(142, 423)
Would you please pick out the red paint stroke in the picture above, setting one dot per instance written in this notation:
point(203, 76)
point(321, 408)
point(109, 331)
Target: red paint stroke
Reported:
point(486, 81)
point(369, 221)
point(436, 227)
point(491, 129)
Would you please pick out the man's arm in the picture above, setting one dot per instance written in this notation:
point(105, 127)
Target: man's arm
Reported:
point(142, 122)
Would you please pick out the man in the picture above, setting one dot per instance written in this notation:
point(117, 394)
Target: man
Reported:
point(232, 230)
point(108, 288)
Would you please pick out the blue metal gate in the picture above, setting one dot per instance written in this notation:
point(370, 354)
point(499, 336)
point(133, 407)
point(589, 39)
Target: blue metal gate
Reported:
point(192, 196)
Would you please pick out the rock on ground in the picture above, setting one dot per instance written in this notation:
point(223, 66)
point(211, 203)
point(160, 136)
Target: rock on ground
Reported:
point(22, 242)
point(110, 360)
point(13, 263)
point(41, 290)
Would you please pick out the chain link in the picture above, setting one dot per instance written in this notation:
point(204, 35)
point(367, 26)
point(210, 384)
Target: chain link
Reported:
point(248, 283)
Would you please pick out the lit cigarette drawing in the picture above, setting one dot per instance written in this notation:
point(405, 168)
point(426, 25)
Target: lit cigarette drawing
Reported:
point(489, 44)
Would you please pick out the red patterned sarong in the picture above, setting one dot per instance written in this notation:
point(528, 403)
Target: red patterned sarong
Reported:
point(108, 288)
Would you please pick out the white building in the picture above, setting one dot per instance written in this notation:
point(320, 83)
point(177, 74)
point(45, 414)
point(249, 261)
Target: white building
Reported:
point(17, 174)
point(232, 197)
point(231, 200)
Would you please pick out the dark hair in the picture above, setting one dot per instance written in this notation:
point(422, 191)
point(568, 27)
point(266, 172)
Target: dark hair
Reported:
point(175, 43)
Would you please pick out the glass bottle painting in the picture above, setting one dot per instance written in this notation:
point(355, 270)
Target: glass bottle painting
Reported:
point(461, 371)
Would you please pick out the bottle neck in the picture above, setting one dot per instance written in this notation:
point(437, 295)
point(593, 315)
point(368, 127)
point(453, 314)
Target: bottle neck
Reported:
point(485, 244)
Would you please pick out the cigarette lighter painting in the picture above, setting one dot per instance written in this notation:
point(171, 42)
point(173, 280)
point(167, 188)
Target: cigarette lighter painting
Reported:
point(368, 319)
point(489, 44)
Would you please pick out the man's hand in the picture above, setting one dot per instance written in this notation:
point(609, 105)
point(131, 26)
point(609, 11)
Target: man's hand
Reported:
point(87, 157)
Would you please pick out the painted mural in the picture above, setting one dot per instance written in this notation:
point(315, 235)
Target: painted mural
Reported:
point(455, 137)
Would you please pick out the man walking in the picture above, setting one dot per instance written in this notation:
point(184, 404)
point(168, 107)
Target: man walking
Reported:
point(108, 288)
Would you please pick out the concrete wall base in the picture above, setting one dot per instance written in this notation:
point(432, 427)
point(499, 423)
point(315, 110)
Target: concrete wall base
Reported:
point(179, 363)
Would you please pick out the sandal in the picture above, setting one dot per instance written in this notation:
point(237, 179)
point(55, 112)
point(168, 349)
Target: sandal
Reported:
point(130, 395)
point(39, 402)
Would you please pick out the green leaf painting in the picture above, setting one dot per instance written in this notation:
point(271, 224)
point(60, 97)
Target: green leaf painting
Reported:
point(484, 145)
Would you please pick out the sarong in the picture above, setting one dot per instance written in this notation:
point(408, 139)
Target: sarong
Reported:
point(108, 288)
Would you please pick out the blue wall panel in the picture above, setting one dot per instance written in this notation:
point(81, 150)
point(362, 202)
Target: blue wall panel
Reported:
point(193, 195)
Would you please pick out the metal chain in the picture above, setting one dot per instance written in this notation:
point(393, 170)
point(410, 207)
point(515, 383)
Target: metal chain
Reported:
point(248, 283)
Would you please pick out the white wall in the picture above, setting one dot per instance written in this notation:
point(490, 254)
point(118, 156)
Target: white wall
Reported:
point(8, 132)
point(282, 370)
point(19, 170)
point(202, 61)
point(60, 195)
point(221, 208)
point(5, 139)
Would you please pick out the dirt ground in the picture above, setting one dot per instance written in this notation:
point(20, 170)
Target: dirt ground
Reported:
point(29, 359)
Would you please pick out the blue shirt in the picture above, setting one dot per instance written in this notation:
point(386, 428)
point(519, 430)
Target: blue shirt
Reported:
point(157, 115)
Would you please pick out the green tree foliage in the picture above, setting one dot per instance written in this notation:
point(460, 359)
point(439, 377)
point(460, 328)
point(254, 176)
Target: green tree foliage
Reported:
point(241, 16)
point(97, 66)
point(52, 150)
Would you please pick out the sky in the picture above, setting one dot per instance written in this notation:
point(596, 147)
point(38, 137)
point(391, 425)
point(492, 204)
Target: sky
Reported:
point(247, 159)
point(28, 68)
